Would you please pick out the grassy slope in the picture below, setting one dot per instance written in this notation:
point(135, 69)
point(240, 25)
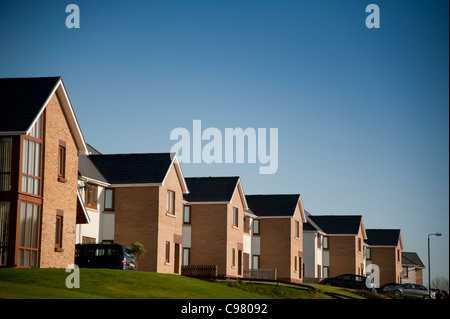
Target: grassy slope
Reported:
point(103, 283)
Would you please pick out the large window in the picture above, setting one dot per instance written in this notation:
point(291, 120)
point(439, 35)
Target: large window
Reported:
point(5, 163)
point(4, 231)
point(31, 167)
point(31, 160)
point(28, 234)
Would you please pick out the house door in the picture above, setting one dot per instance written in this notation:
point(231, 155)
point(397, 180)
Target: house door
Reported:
point(239, 262)
point(177, 259)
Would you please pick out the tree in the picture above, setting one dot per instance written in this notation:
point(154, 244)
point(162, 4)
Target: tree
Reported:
point(137, 249)
point(440, 283)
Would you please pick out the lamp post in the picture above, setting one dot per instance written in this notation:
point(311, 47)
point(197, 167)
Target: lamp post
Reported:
point(429, 267)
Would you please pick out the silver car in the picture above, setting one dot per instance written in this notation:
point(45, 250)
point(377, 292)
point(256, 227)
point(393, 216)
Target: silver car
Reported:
point(413, 290)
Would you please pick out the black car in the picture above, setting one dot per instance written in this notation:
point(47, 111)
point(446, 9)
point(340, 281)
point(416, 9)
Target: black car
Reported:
point(349, 281)
point(112, 256)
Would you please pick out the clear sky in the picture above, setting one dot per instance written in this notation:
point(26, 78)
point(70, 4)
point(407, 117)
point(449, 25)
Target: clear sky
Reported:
point(362, 114)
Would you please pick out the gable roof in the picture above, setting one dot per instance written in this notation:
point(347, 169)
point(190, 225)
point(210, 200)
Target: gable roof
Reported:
point(383, 237)
point(133, 169)
point(275, 205)
point(411, 259)
point(211, 189)
point(339, 224)
point(22, 101)
point(310, 225)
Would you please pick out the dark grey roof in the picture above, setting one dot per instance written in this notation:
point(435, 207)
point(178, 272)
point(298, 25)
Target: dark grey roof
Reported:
point(411, 259)
point(310, 225)
point(132, 168)
point(282, 205)
point(338, 224)
point(382, 237)
point(87, 169)
point(210, 189)
point(21, 99)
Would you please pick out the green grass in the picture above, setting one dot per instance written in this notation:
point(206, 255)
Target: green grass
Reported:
point(106, 283)
point(118, 284)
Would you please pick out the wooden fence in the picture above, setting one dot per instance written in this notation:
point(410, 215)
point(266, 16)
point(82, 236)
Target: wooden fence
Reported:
point(201, 271)
point(263, 274)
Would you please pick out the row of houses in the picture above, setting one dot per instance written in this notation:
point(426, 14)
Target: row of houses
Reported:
point(57, 191)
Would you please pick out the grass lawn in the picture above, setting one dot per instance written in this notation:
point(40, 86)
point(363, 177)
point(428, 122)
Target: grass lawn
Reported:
point(118, 284)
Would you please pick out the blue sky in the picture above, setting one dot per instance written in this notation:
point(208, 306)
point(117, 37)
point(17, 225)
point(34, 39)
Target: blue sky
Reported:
point(362, 113)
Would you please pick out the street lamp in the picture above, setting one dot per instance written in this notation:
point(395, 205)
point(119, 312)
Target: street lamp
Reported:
point(429, 267)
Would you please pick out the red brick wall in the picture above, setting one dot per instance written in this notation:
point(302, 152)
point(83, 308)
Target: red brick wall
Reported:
point(58, 195)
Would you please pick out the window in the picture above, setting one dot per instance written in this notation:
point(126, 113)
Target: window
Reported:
point(31, 167)
point(187, 214)
point(405, 272)
point(295, 263)
point(233, 257)
point(297, 229)
point(325, 242)
point(235, 217)
point(246, 224)
point(87, 240)
point(171, 202)
point(255, 226)
point(167, 252)
point(91, 196)
point(61, 161)
point(319, 241)
point(186, 256)
point(255, 262)
point(4, 231)
point(368, 253)
point(109, 199)
point(58, 232)
point(325, 271)
point(5, 163)
point(28, 234)
point(319, 271)
point(359, 245)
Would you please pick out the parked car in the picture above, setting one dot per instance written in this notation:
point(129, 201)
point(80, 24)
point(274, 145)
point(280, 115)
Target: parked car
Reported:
point(413, 290)
point(112, 256)
point(349, 281)
point(440, 294)
point(388, 287)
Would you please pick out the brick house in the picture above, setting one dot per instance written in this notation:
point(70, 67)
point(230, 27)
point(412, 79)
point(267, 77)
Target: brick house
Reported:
point(341, 241)
point(280, 233)
point(385, 250)
point(40, 141)
point(145, 204)
point(412, 268)
point(217, 228)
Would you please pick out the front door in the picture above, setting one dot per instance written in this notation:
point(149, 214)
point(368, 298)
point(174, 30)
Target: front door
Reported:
point(177, 259)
